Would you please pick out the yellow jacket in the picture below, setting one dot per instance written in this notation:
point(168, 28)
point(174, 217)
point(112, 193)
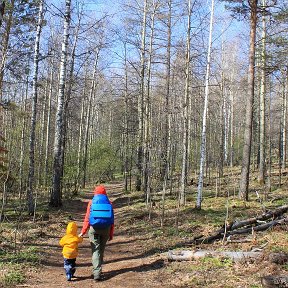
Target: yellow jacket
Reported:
point(70, 241)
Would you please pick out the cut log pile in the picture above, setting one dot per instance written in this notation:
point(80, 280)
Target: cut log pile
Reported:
point(259, 223)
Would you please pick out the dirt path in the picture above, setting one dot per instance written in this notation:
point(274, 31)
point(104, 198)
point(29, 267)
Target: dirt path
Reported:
point(123, 264)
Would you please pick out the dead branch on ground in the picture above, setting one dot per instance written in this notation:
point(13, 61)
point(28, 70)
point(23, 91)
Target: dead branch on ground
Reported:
point(258, 223)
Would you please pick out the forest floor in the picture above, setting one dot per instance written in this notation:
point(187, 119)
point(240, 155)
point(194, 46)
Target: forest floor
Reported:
point(137, 254)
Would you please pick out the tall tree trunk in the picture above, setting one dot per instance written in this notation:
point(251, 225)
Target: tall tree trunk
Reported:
point(2, 10)
point(40, 174)
point(138, 183)
point(80, 142)
point(244, 180)
point(262, 124)
point(87, 125)
point(30, 201)
point(5, 43)
point(186, 111)
point(284, 121)
point(147, 113)
point(23, 136)
point(165, 155)
point(223, 117)
point(48, 126)
point(126, 124)
point(203, 136)
point(55, 199)
point(231, 97)
point(68, 95)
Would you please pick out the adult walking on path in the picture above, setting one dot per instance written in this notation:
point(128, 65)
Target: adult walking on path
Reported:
point(99, 219)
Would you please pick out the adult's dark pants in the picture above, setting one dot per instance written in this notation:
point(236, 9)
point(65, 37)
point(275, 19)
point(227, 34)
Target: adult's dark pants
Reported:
point(98, 238)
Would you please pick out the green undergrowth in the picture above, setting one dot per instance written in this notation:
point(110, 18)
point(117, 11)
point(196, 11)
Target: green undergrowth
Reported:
point(13, 265)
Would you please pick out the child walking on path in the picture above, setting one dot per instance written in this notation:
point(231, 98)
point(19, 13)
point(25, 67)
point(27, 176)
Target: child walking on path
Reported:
point(70, 242)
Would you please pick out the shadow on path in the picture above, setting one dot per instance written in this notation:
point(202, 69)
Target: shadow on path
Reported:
point(158, 264)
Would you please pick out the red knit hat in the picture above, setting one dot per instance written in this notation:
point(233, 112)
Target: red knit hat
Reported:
point(100, 190)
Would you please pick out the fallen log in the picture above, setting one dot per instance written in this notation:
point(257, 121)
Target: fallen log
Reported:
point(261, 227)
point(231, 229)
point(236, 256)
point(273, 281)
point(270, 214)
point(280, 258)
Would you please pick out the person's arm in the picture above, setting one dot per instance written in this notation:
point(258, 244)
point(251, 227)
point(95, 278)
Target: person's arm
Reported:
point(111, 232)
point(86, 224)
point(112, 225)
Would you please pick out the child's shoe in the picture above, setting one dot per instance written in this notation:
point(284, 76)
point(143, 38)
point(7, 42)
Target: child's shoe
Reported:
point(68, 276)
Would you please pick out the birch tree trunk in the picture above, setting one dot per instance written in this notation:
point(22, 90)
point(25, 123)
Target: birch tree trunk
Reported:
point(284, 124)
point(203, 136)
point(68, 94)
point(48, 126)
point(80, 142)
point(165, 155)
point(23, 136)
point(88, 117)
point(262, 157)
point(231, 97)
point(5, 43)
point(244, 180)
point(55, 199)
point(40, 174)
point(186, 112)
point(126, 123)
point(147, 114)
point(138, 183)
point(30, 201)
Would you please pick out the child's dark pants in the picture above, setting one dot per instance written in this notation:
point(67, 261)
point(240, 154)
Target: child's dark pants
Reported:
point(69, 266)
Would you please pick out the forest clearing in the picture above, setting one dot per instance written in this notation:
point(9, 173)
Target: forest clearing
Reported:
point(178, 107)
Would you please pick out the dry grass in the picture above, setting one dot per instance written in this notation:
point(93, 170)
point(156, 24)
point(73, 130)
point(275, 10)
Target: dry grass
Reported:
point(154, 240)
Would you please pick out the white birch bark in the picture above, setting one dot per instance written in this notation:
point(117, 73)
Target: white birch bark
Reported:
point(5, 45)
point(40, 173)
point(203, 136)
point(30, 201)
point(284, 124)
point(55, 199)
point(262, 123)
point(185, 112)
point(23, 136)
point(167, 139)
point(231, 98)
point(48, 126)
point(138, 183)
point(147, 112)
point(126, 123)
point(88, 117)
point(80, 142)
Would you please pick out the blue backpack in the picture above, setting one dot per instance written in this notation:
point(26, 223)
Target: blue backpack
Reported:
point(101, 212)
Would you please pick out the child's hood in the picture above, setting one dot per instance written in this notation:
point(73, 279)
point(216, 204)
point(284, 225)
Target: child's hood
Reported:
point(71, 228)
